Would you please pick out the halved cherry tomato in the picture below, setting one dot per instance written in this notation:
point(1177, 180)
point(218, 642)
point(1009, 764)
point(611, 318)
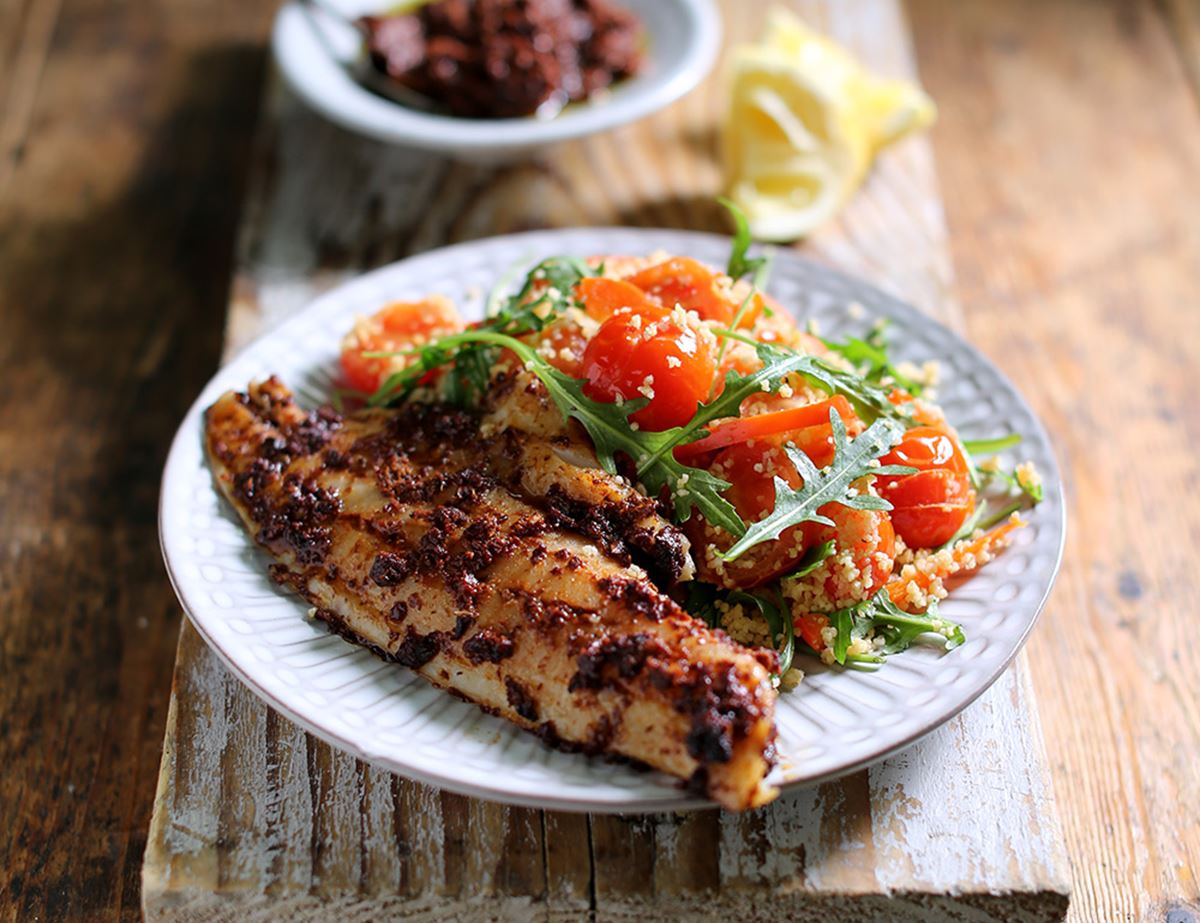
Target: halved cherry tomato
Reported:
point(685, 281)
point(809, 627)
point(650, 355)
point(566, 344)
point(932, 504)
point(400, 325)
point(871, 540)
point(778, 422)
point(925, 448)
point(602, 298)
point(751, 470)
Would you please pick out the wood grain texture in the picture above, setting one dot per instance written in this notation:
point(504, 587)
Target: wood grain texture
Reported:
point(888, 844)
point(104, 296)
point(1183, 22)
point(1076, 241)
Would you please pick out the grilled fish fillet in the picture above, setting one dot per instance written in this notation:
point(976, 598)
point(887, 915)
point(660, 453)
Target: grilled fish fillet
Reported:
point(475, 558)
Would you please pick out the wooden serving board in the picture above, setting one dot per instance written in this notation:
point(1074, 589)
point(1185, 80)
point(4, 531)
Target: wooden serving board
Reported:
point(256, 820)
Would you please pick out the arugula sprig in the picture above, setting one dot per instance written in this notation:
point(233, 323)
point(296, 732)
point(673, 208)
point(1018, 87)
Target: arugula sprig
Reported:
point(813, 558)
point(518, 314)
point(870, 355)
point(880, 617)
point(852, 460)
point(869, 399)
point(984, 476)
point(991, 446)
point(608, 426)
point(777, 364)
point(702, 602)
point(778, 617)
point(740, 264)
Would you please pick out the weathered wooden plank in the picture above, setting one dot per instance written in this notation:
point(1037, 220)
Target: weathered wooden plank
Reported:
point(325, 204)
point(1076, 242)
point(1183, 22)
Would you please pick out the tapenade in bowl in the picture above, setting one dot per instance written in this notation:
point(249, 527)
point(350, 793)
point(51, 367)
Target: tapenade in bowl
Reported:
point(492, 79)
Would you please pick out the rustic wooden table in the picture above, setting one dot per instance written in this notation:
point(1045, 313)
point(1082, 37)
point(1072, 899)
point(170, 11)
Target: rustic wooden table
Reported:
point(1067, 156)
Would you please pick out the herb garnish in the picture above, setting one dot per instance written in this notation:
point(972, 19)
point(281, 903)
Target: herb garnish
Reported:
point(778, 617)
point(851, 460)
point(870, 355)
point(702, 603)
point(472, 360)
point(869, 399)
point(813, 558)
point(991, 446)
point(739, 263)
point(880, 617)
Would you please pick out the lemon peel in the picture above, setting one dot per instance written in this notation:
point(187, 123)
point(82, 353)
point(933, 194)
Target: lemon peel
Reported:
point(805, 122)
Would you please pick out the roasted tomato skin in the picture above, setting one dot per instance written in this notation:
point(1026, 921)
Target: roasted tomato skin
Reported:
point(682, 280)
point(751, 470)
point(397, 326)
point(602, 298)
point(566, 342)
point(931, 505)
point(652, 355)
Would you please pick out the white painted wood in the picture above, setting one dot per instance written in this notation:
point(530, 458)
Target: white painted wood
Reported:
point(254, 820)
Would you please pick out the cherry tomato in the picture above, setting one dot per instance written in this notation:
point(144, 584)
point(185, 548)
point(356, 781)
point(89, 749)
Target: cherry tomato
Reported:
point(871, 540)
point(685, 281)
point(602, 298)
point(932, 504)
point(566, 344)
point(650, 355)
point(809, 627)
point(751, 470)
point(397, 326)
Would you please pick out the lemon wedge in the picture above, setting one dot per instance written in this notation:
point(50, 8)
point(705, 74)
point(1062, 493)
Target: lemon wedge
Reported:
point(804, 124)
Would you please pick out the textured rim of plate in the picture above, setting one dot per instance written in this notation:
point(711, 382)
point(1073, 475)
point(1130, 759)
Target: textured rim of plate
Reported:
point(623, 789)
point(316, 72)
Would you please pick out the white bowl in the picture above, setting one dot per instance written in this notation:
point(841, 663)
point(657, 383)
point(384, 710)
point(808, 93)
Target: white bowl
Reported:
point(317, 54)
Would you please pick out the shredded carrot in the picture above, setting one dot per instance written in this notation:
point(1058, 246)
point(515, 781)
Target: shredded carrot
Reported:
point(973, 550)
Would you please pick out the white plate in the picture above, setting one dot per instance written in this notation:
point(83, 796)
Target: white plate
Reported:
point(833, 723)
point(316, 53)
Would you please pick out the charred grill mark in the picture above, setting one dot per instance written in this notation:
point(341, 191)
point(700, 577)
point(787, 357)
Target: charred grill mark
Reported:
point(298, 520)
point(720, 707)
point(617, 526)
point(313, 432)
point(546, 613)
point(462, 625)
point(463, 489)
point(594, 745)
point(398, 613)
point(416, 649)
point(488, 646)
point(336, 461)
point(605, 663)
point(665, 550)
point(389, 569)
point(519, 699)
point(641, 597)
